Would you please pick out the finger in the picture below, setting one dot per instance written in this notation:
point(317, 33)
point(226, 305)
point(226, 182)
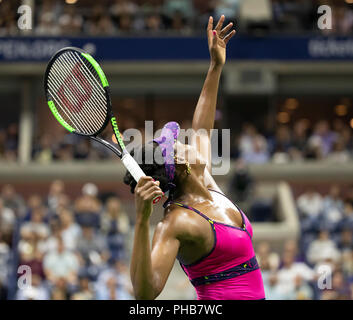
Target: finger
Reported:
point(220, 23)
point(151, 189)
point(143, 180)
point(226, 29)
point(151, 194)
point(210, 24)
point(148, 185)
point(215, 38)
point(209, 29)
point(229, 36)
point(154, 194)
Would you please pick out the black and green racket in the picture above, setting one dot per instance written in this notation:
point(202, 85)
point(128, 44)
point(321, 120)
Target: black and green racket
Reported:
point(77, 93)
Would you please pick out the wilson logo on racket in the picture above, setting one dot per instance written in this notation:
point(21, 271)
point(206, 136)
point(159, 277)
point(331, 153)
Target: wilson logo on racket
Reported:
point(116, 130)
point(80, 94)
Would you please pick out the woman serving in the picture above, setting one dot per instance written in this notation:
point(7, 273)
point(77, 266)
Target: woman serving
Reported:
point(209, 235)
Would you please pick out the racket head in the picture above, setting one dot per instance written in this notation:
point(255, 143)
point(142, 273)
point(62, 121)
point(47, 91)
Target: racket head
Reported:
point(77, 92)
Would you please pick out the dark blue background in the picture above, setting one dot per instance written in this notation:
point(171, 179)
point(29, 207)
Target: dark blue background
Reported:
point(175, 48)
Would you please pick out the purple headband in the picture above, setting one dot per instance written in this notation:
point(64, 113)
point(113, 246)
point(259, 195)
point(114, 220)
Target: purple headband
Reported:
point(166, 141)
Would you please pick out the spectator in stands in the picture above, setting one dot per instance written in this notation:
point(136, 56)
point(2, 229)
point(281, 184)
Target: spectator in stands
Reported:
point(36, 291)
point(272, 290)
point(56, 189)
point(70, 230)
point(85, 290)
point(61, 265)
point(269, 263)
point(299, 140)
point(43, 152)
point(11, 199)
point(339, 153)
point(287, 14)
point(47, 26)
point(289, 271)
point(121, 7)
point(31, 257)
point(332, 207)
point(310, 203)
point(88, 207)
point(92, 247)
point(154, 23)
point(322, 138)
point(35, 228)
point(342, 20)
point(114, 283)
point(34, 202)
point(59, 294)
point(8, 25)
point(340, 290)
point(282, 144)
point(7, 221)
point(347, 220)
point(71, 21)
point(347, 264)
point(345, 242)
point(301, 290)
point(114, 219)
point(253, 146)
point(4, 270)
point(322, 249)
point(228, 8)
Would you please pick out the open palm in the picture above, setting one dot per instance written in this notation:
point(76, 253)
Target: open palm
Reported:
point(218, 39)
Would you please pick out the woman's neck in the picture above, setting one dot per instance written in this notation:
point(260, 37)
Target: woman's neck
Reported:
point(192, 190)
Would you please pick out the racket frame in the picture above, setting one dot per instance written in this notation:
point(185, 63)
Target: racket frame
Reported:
point(128, 161)
point(109, 113)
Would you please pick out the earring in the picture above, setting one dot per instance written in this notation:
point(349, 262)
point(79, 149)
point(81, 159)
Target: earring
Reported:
point(188, 168)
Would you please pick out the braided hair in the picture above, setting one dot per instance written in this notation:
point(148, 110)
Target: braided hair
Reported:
point(154, 170)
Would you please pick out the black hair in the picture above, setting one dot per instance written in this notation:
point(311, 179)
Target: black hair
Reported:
point(156, 170)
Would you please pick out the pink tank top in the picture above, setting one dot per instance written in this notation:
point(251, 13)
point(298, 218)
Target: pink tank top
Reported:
point(230, 270)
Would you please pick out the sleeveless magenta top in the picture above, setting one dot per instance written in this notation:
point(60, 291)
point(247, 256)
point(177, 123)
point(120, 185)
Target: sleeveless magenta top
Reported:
point(230, 270)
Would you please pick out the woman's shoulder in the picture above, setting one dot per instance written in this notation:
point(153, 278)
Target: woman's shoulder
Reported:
point(184, 223)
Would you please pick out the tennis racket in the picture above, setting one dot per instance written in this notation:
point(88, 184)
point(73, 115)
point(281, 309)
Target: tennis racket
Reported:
point(77, 92)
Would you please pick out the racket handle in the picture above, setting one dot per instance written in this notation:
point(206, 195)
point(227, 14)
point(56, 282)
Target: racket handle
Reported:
point(132, 166)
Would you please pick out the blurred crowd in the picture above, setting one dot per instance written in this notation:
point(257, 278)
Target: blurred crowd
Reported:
point(9, 142)
point(109, 17)
point(320, 264)
point(300, 141)
point(76, 248)
point(297, 142)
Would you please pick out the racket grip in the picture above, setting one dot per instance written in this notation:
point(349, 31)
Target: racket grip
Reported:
point(132, 166)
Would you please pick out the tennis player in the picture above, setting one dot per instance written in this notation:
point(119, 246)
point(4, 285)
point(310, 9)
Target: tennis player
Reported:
point(209, 235)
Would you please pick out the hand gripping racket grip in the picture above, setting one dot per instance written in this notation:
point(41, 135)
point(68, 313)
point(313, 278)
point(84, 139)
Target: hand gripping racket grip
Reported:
point(132, 166)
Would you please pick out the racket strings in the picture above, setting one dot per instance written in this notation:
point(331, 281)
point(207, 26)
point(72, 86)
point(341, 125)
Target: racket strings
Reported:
point(78, 95)
point(70, 117)
point(87, 83)
point(76, 87)
point(68, 103)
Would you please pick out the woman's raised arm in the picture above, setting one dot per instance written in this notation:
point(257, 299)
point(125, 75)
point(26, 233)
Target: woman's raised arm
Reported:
point(204, 115)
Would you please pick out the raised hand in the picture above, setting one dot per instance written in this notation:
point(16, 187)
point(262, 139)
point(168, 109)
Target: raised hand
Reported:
point(218, 39)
